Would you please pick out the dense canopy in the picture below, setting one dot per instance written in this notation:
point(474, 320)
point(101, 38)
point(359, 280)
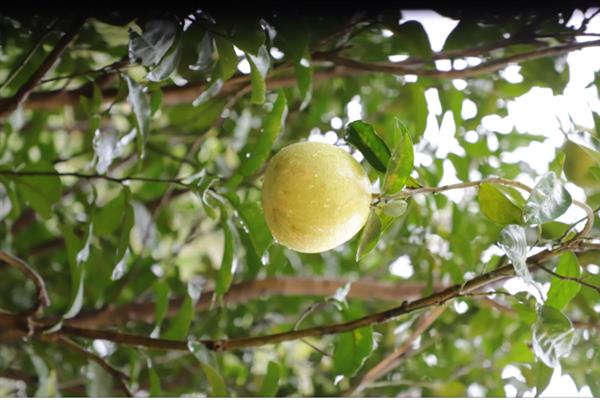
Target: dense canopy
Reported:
point(135, 257)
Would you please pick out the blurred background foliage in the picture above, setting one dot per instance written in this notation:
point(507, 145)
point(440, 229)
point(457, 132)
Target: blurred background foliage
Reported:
point(194, 105)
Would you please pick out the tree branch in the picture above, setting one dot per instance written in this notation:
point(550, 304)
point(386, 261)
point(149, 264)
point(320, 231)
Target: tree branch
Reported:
point(435, 299)
point(119, 376)
point(9, 105)
point(42, 295)
point(244, 291)
point(484, 68)
point(569, 278)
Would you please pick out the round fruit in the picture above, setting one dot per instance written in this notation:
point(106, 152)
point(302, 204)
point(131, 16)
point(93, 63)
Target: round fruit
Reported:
point(315, 196)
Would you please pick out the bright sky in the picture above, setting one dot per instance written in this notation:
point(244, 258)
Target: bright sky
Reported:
point(536, 112)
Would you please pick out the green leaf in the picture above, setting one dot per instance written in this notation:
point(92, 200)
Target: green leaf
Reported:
point(215, 380)
point(155, 389)
point(254, 222)
point(41, 192)
point(553, 336)
point(401, 163)
point(362, 136)
point(205, 54)
point(558, 163)
point(229, 261)
point(369, 236)
point(76, 268)
point(181, 322)
point(351, 351)
point(414, 39)
point(228, 60)
point(259, 67)
point(211, 91)
point(156, 40)
point(272, 125)
point(304, 75)
point(548, 200)
point(563, 291)
point(394, 208)
point(161, 303)
point(497, 206)
point(514, 243)
point(542, 376)
point(141, 109)
point(271, 382)
point(168, 64)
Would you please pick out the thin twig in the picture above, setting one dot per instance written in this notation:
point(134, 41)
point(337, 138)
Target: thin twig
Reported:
point(9, 105)
point(119, 376)
point(42, 295)
point(22, 63)
point(569, 278)
point(392, 360)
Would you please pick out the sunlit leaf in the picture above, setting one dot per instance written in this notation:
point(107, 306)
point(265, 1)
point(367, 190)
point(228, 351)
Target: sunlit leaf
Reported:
point(395, 208)
point(401, 163)
point(553, 336)
point(256, 226)
point(228, 60)
point(562, 291)
point(259, 67)
point(497, 206)
point(548, 200)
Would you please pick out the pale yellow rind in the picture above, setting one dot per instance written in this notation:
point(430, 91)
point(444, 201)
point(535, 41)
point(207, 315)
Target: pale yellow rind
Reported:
point(315, 197)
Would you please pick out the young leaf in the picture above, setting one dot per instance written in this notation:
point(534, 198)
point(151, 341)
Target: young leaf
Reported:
point(227, 58)
point(272, 125)
point(394, 208)
point(553, 336)
point(271, 382)
point(41, 192)
point(548, 200)
point(563, 291)
point(362, 136)
point(156, 40)
point(254, 222)
point(259, 67)
point(497, 206)
point(351, 351)
point(229, 260)
point(139, 103)
point(401, 163)
point(369, 236)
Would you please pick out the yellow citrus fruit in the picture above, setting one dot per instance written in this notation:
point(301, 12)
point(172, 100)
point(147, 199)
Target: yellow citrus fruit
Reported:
point(315, 196)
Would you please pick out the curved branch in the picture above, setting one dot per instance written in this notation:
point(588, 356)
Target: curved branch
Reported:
point(9, 105)
point(42, 295)
point(484, 68)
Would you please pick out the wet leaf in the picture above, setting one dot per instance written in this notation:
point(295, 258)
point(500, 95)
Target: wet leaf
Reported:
point(362, 136)
point(272, 126)
point(395, 208)
point(514, 243)
point(548, 200)
point(553, 336)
